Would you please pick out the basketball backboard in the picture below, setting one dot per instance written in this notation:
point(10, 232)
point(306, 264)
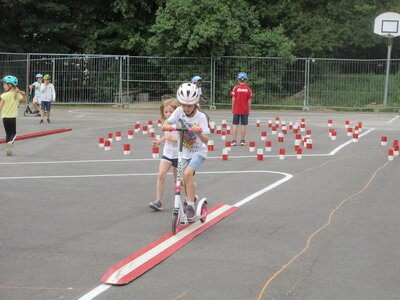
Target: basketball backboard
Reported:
point(387, 24)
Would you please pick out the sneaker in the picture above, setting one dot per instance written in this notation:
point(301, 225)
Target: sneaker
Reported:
point(48, 120)
point(41, 122)
point(157, 205)
point(196, 198)
point(242, 143)
point(9, 148)
point(189, 212)
point(233, 143)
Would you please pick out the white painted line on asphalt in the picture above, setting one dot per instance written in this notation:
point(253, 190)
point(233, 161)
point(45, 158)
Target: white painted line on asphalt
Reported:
point(76, 176)
point(333, 152)
point(391, 120)
point(337, 149)
point(95, 292)
point(123, 175)
point(77, 161)
point(103, 287)
point(264, 190)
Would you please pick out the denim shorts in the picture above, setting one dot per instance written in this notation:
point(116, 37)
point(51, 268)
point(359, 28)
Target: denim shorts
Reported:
point(45, 105)
point(240, 119)
point(195, 162)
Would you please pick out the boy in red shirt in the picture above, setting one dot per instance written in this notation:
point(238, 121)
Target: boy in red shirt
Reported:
point(241, 102)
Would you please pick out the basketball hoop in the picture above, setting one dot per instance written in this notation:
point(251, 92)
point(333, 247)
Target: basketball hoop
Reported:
point(387, 25)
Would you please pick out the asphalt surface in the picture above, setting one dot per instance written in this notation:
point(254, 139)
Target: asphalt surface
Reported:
point(70, 211)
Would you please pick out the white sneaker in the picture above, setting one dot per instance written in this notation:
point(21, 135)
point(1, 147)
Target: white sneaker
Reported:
point(9, 148)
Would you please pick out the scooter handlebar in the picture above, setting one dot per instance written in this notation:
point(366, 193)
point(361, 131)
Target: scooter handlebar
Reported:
point(173, 128)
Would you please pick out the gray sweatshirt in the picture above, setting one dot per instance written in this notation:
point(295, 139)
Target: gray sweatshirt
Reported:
point(48, 92)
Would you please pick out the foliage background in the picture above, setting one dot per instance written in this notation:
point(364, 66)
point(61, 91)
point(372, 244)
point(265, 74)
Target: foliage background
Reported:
point(284, 28)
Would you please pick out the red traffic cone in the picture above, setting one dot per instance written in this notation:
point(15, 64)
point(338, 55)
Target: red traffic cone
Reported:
point(282, 153)
point(252, 146)
point(260, 154)
point(268, 146)
point(130, 134)
point(225, 154)
point(127, 149)
point(107, 145)
point(101, 142)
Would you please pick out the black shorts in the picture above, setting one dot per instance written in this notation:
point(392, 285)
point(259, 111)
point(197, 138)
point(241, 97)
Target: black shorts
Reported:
point(173, 161)
point(240, 119)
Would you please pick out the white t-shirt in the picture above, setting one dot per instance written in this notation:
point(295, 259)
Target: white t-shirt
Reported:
point(191, 141)
point(171, 148)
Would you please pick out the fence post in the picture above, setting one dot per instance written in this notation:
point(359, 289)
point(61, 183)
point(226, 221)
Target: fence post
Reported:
point(53, 61)
point(27, 72)
point(120, 80)
point(212, 106)
point(306, 85)
point(127, 77)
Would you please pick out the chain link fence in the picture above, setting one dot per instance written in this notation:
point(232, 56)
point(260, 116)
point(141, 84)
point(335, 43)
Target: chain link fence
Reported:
point(275, 82)
point(357, 84)
point(156, 78)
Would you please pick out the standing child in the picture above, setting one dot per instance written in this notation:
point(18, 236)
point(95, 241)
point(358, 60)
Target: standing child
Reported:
point(197, 80)
point(170, 153)
point(36, 90)
point(9, 109)
point(241, 103)
point(194, 148)
point(48, 95)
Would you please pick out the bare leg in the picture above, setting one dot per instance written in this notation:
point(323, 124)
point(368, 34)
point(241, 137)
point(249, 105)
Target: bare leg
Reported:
point(234, 131)
point(162, 175)
point(190, 184)
point(243, 131)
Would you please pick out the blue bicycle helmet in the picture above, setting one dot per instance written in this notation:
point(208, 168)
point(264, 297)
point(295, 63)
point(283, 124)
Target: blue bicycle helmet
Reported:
point(39, 75)
point(242, 75)
point(196, 78)
point(10, 79)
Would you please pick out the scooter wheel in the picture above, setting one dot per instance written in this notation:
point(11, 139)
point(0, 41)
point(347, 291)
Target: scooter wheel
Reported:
point(204, 211)
point(175, 223)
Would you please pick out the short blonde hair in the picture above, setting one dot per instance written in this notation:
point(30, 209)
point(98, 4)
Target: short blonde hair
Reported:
point(168, 102)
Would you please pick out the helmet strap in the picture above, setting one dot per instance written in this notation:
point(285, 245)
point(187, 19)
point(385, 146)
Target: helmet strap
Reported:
point(193, 111)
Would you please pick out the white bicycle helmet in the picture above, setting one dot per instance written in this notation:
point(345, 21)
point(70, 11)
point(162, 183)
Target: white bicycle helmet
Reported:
point(188, 93)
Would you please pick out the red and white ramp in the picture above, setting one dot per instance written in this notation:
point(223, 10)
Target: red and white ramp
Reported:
point(146, 258)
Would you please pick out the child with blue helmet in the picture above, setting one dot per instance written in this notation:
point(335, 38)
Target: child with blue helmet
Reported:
point(9, 101)
point(35, 87)
point(241, 104)
point(198, 81)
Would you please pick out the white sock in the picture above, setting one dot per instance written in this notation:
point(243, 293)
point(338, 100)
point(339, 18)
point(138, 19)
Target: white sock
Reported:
point(190, 203)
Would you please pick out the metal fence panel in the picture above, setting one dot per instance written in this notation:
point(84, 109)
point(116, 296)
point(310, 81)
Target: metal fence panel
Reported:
point(274, 81)
point(15, 64)
point(89, 79)
point(156, 78)
point(281, 82)
point(352, 83)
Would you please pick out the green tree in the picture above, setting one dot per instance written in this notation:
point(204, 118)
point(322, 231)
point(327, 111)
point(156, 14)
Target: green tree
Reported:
point(101, 27)
point(214, 28)
point(341, 29)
